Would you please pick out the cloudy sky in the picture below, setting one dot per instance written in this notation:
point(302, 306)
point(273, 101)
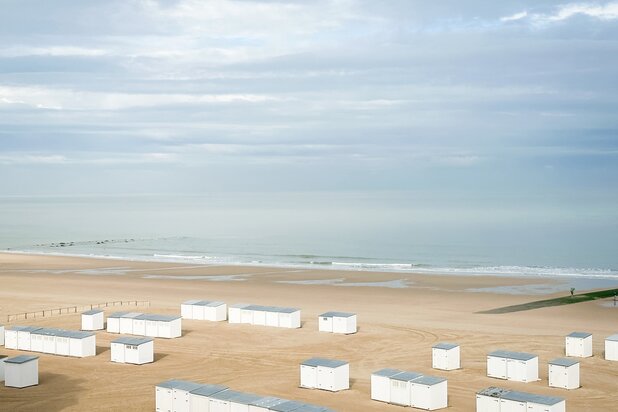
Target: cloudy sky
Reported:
point(486, 98)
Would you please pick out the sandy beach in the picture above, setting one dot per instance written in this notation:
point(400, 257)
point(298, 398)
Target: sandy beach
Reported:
point(400, 317)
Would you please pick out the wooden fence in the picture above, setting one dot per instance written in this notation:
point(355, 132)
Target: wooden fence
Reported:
point(45, 313)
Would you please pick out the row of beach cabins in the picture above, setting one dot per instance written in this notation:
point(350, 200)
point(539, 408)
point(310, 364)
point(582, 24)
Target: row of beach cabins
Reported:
point(392, 386)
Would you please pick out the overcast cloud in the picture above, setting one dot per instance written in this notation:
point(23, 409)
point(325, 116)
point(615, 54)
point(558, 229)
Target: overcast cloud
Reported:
point(477, 96)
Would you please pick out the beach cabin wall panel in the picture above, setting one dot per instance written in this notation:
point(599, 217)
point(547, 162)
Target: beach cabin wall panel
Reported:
point(513, 366)
point(400, 392)
point(446, 357)
point(511, 405)
point(381, 384)
point(93, 320)
point(578, 344)
point(23, 338)
point(487, 403)
point(325, 323)
point(2, 359)
point(10, 338)
point(611, 348)
point(308, 376)
point(563, 373)
point(164, 399)
point(429, 396)
point(21, 371)
point(113, 325)
point(117, 352)
point(62, 345)
point(1, 335)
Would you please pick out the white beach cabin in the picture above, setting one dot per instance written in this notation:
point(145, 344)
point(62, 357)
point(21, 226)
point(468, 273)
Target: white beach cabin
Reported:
point(1, 335)
point(401, 388)
point(93, 319)
point(200, 397)
point(126, 322)
point(186, 308)
point(10, 337)
point(564, 373)
point(381, 384)
point(579, 344)
point(327, 374)
point(264, 404)
point(241, 402)
point(168, 326)
point(446, 356)
point(21, 371)
point(132, 350)
point(23, 337)
point(204, 310)
point(222, 401)
point(82, 344)
point(611, 348)
point(429, 393)
point(113, 322)
point(513, 366)
point(234, 312)
point(2, 359)
point(289, 318)
point(173, 396)
point(488, 399)
point(337, 322)
point(521, 401)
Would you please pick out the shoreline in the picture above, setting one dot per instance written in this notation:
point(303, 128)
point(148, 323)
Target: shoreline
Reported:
point(397, 326)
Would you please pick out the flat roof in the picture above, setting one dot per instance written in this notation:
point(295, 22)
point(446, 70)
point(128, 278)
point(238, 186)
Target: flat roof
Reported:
point(530, 397)
point(311, 408)
point(429, 380)
point(287, 406)
point(493, 392)
point(337, 314)
point(179, 384)
point(563, 362)
point(191, 302)
point(209, 389)
point(387, 372)
point(329, 363)
point(117, 315)
point(126, 340)
point(21, 359)
point(579, 335)
point(77, 334)
point(246, 398)
point(445, 345)
point(240, 305)
point(25, 328)
point(512, 355)
point(613, 338)
point(226, 395)
point(268, 401)
point(92, 312)
point(406, 376)
point(131, 314)
point(155, 317)
point(209, 303)
point(278, 309)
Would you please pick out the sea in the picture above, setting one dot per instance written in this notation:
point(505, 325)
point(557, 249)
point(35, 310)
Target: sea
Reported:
point(373, 231)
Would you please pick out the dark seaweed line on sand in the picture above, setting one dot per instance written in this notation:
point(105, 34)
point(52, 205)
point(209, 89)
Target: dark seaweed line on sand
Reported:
point(565, 300)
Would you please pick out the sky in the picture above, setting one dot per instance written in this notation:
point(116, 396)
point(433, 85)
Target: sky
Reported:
point(502, 100)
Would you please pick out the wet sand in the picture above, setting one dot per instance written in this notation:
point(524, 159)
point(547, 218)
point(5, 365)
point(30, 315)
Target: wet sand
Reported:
point(400, 317)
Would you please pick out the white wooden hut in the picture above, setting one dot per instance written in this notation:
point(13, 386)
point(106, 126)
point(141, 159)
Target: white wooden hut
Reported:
point(234, 312)
point(264, 404)
point(381, 384)
point(513, 366)
point(200, 397)
point(260, 314)
point(429, 393)
point(446, 356)
point(1, 335)
point(186, 308)
point(21, 371)
point(222, 401)
point(611, 348)
point(93, 319)
point(23, 337)
point(126, 322)
point(10, 336)
point(337, 322)
point(241, 402)
point(246, 314)
point(401, 387)
point(168, 326)
point(488, 399)
point(173, 395)
point(44, 340)
point(132, 350)
point(579, 344)
point(516, 401)
point(113, 322)
point(564, 373)
point(327, 374)
point(82, 344)
point(289, 318)
point(2, 359)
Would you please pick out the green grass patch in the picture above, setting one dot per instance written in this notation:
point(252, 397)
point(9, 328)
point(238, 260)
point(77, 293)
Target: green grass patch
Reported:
point(565, 300)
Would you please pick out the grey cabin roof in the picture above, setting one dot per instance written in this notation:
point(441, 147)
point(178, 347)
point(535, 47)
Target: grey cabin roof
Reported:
point(21, 359)
point(181, 385)
point(512, 355)
point(92, 312)
point(191, 302)
point(287, 406)
point(262, 308)
point(209, 389)
point(25, 328)
point(311, 408)
point(337, 315)
point(117, 315)
point(155, 317)
point(240, 305)
point(429, 380)
point(329, 363)
point(126, 340)
point(80, 334)
point(563, 362)
point(226, 395)
point(268, 401)
point(132, 314)
point(580, 335)
point(246, 398)
point(613, 338)
point(209, 303)
point(493, 392)
point(46, 331)
point(530, 397)
point(387, 372)
point(75, 334)
point(445, 345)
point(406, 376)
